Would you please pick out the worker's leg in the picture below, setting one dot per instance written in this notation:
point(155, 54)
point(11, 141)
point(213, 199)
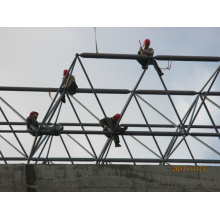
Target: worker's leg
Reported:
point(34, 133)
point(116, 140)
point(63, 98)
point(157, 68)
point(143, 63)
point(72, 89)
point(53, 129)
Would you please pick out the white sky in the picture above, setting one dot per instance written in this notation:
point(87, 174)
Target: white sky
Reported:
point(36, 57)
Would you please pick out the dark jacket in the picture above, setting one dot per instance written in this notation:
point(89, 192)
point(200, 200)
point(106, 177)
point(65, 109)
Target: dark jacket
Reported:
point(70, 83)
point(31, 121)
point(109, 122)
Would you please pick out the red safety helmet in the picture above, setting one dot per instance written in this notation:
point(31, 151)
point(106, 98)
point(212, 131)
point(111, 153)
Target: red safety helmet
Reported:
point(33, 113)
point(65, 72)
point(117, 116)
point(147, 42)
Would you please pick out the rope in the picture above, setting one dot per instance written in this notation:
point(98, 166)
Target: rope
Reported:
point(96, 41)
point(50, 95)
point(62, 83)
point(169, 65)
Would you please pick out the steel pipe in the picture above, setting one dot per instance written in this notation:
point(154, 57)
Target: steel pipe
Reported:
point(109, 91)
point(114, 56)
point(187, 58)
point(135, 133)
point(129, 125)
point(144, 57)
point(118, 160)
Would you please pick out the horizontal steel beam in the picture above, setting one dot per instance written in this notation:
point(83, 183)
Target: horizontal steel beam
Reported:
point(144, 57)
point(135, 133)
point(163, 92)
point(81, 90)
point(118, 160)
point(128, 125)
point(175, 92)
point(114, 56)
point(108, 91)
point(187, 58)
point(142, 160)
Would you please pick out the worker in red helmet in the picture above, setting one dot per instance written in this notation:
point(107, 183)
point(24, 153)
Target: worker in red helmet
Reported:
point(109, 124)
point(33, 125)
point(149, 52)
point(146, 50)
point(68, 82)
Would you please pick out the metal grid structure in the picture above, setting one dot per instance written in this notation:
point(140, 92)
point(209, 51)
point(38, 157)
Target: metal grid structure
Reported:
point(183, 129)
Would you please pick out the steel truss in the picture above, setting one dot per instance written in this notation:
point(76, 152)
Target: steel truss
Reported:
point(180, 135)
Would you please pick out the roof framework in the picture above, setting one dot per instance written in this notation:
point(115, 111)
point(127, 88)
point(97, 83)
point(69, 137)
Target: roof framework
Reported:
point(183, 129)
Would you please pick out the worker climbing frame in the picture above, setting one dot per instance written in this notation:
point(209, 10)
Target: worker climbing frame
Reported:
point(180, 135)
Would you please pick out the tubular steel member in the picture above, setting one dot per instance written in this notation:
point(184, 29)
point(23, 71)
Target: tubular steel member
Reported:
point(79, 90)
point(114, 56)
point(142, 160)
point(174, 139)
point(81, 125)
point(119, 160)
point(128, 125)
point(50, 112)
point(12, 146)
point(90, 83)
point(187, 58)
point(148, 125)
point(3, 157)
point(19, 142)
point(109, 91)
point(215, 75)
point(144, 57)
point(53, 106)
point(129, 99)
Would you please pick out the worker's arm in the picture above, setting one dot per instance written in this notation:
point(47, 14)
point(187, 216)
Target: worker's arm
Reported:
point(140, 50)
point(103, 123)
point(28, 123)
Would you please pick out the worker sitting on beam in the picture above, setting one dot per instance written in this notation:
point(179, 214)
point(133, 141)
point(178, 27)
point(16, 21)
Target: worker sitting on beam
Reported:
point(149, 52)
point(33, 125)
point(108, 124)
point(69, 82)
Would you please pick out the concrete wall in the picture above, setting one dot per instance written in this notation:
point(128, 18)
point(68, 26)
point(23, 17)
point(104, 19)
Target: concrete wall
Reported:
point(106, 178)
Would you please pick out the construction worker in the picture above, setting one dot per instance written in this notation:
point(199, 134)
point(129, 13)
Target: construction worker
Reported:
point(149, 52)
point(33, 125)
point(71, 86)
point(146, 50)
point(108, 124)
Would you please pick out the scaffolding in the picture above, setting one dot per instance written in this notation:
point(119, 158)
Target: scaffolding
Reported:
point(183, 129)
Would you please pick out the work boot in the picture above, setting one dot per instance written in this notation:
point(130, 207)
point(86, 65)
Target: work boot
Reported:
point(59, 127)
point(117, 145)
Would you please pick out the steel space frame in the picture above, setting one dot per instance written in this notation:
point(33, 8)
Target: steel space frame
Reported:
point(180, 135)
